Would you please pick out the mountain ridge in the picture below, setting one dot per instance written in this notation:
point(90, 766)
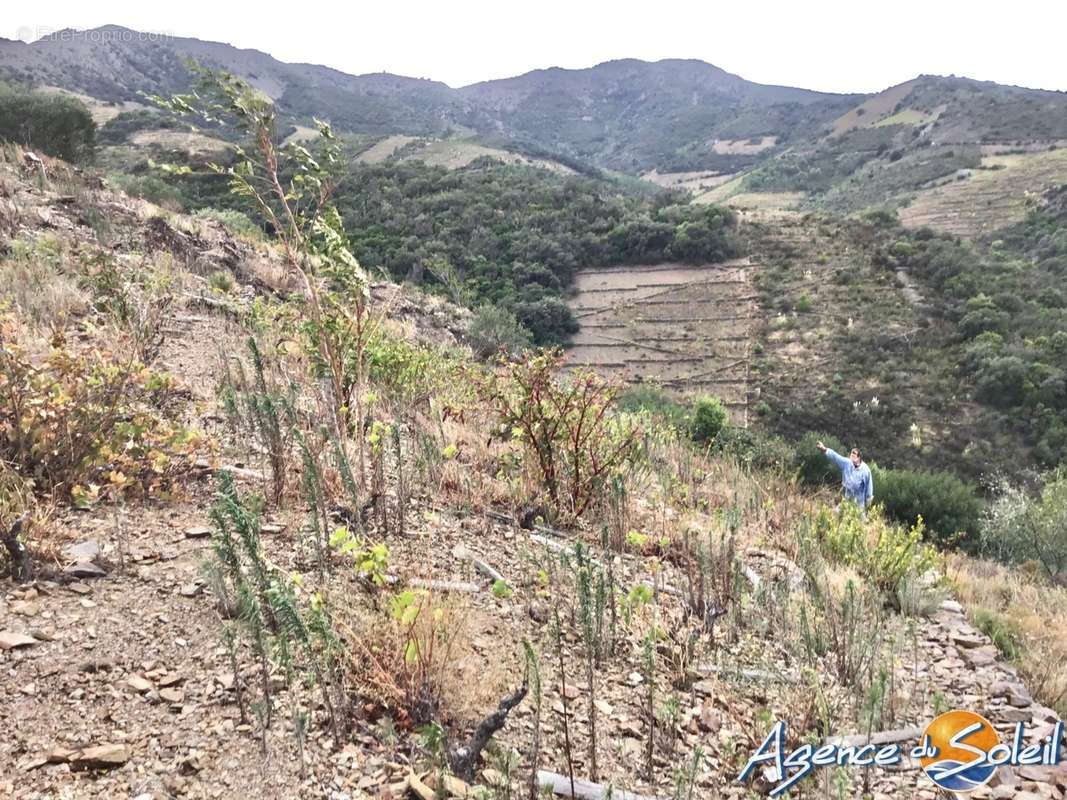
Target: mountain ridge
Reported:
point(626, 115)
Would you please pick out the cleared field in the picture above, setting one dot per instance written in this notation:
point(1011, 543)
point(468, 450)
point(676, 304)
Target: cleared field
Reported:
point(688, 328)
point(873, 109)
point(696, 182)
point(743, 147)
point(906, 116)
point(100, 111)
point(987, 199)
point(188, 141)
point(302, 134)
point(457, 153)
point(380, 151)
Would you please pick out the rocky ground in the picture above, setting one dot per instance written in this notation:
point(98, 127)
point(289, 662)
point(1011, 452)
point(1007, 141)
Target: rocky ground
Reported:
point(114, 681)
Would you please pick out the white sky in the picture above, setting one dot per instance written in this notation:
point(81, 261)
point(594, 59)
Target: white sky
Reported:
point(856, 46)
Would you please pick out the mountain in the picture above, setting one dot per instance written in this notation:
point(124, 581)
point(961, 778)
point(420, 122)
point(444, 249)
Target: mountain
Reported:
point(117, 65)
point(627, 115)
point(840, 152)
point(631, 115)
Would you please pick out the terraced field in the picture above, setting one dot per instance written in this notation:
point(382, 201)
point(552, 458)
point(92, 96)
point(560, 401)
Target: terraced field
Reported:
point(689, 328)
point(987, 199)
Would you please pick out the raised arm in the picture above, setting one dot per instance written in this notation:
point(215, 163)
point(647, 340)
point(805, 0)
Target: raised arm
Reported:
point(839, 461)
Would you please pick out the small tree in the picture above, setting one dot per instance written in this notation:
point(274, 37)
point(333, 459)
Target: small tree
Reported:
point(299, 210)
point(494, 330)
point(709, 417)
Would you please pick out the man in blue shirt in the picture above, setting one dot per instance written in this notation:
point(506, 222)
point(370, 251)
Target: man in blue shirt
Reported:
point(856, 477)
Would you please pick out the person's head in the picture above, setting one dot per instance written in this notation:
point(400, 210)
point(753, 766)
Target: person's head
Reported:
point(855, 457)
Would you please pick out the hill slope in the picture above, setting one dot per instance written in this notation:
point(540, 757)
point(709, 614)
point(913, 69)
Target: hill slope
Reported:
point(629, 115)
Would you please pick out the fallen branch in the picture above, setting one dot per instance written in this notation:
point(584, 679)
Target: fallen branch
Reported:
point(463, 760)
point(759, 675)
point(883, 737)
point(482, 566)
point(585, 790)
point(445, 586)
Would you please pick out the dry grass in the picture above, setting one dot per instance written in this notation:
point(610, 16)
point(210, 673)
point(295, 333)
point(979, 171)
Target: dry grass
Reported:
point(416, 658)
point(1033, 610)
point(985, 200)
point(33, 282)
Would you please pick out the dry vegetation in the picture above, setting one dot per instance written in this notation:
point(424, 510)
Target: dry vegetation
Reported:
point(423, 573)
point(980, 201)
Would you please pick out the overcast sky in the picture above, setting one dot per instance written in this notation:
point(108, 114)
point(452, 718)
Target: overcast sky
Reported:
point(856, 46)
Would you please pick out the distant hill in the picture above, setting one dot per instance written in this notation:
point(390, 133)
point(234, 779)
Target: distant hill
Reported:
point(843, 152)
point(633, 115)
point(626, 115)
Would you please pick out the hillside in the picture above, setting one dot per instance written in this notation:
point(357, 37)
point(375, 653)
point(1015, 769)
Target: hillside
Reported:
point(222, 598)
point(626, 115)
point(921, 145)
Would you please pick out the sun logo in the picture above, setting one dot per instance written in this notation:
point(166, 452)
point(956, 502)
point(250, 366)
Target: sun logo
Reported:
point(958, 745)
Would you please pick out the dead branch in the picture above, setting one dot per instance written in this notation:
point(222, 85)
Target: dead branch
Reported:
point(464, 759)
point(21, 565)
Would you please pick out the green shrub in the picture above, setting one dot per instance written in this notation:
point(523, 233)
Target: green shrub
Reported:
point(947, 505)
point(236, 222)
point(1001, 631)
point(150, 188)
point(812, 465)
point(1018, 528)
point(549, 320)
point(709, 417)
point(884, 553)
point(754, 448)
point(58, 125)
point(654, 400)
point(494, 329)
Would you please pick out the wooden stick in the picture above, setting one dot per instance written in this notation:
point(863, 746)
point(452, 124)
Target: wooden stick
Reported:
point(884, 737)
point(445, 586)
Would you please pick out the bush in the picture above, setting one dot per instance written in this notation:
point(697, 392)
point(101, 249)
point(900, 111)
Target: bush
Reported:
point(82, 420)
point(812, 465)
point(236, 222)
point(58, 125)
point(150, 188)
point(885, 554)
point(709, 418)
point(549, 320)
point(1017, 528)
point(947, 505)
point(754, 448)
point(573, 441)
point(494, 330)
point(653, 400)
point(1002, 632)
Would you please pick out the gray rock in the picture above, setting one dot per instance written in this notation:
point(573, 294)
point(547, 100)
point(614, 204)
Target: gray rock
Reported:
point(85, 569)
point(83, 551)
